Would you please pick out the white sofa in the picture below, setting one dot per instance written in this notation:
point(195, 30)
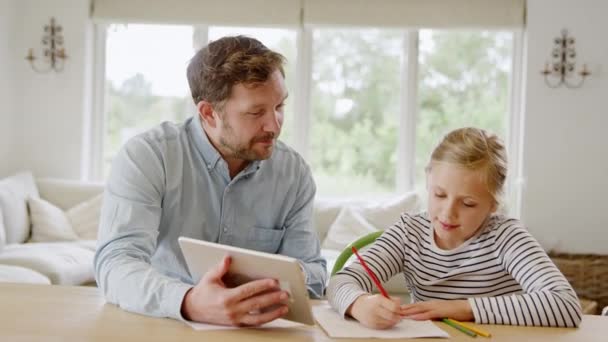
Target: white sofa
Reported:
point(61, 263)
point(338, 222)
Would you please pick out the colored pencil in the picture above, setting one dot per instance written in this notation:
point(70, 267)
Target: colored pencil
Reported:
point(473, 329)
point(371, 274)
point(459, 327)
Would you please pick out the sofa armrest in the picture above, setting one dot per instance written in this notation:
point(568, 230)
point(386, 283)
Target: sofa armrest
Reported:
point(67, 193)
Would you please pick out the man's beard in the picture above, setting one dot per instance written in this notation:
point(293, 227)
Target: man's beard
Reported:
point(245, 151)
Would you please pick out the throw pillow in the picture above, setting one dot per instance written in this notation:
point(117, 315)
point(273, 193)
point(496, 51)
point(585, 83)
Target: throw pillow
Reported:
point(386, 214)
point(49, 223)
point(349, 226)
point(14, 192)
point(355, 221)
point(84, 217)
point(325, 212)
point(2, 231)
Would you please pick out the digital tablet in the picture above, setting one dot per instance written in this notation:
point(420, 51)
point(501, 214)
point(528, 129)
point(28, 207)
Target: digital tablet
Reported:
point(249, 265)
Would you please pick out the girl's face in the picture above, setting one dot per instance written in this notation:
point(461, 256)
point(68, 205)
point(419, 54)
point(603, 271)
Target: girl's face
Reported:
point(459, 203)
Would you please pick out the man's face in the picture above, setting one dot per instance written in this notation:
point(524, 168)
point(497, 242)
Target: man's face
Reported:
point(251, 119)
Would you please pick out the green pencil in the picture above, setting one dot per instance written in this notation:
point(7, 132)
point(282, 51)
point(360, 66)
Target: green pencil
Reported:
point(459, 327)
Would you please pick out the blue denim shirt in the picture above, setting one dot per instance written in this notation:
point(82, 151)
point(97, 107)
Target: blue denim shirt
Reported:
point(171, 182)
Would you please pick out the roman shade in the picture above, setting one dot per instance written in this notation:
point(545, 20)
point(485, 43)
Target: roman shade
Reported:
point(205, 12)
point(340, 13)
point(416, 13)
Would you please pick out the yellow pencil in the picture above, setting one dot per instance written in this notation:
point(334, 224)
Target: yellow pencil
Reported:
point(473, 329)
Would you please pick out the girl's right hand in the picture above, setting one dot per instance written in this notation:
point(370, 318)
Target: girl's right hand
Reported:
point(376, 311)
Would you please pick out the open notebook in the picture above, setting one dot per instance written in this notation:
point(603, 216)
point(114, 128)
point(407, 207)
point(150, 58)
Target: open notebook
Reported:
point(336, 327)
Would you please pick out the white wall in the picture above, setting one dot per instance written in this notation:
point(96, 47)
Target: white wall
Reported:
point(8, 125)
point(52, 106)
point(565, 162)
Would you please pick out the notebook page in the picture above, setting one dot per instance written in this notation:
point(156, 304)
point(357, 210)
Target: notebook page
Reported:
point(336, 327)
point(279, 323)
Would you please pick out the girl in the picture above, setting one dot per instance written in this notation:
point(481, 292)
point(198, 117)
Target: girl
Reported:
point(460, 259)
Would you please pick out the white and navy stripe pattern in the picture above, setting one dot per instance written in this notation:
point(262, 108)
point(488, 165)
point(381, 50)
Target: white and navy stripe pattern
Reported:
point(502, 270)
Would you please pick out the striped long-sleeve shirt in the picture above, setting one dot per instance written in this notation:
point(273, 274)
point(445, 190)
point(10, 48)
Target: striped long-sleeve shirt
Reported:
point(502, 270)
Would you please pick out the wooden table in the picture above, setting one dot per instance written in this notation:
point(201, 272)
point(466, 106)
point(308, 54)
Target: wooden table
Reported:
point(62, 313)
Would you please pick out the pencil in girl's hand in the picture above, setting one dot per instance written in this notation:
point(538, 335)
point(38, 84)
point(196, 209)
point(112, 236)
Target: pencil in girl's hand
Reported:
point(371, 274)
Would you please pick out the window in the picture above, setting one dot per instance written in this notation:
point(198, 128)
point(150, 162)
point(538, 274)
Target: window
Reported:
point(145, 82)
point(372, 103)
point(463, 81)
point(355, 110)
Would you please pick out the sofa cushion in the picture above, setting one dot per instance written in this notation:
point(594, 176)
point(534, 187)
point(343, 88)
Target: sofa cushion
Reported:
point(16, 274)
point(67, 193)
point(50, 223)
point(355, 221)
point(385, 214)
point(2, 231)
point(379, 212)
point(325, 213)
point(84, 217)
point(14, 192)
point(87, 244)
point(64, 263)
point(349, 226)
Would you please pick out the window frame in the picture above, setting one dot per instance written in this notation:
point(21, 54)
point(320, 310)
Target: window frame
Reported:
point(408, 113)
point(98, 122)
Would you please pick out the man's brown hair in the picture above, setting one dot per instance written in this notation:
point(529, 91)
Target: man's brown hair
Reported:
point(226, 62)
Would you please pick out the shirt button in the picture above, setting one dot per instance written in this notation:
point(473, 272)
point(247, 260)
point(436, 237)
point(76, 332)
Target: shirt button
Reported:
point(225, 229)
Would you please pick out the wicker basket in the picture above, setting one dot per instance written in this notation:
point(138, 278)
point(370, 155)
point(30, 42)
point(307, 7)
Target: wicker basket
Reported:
point(588, 274)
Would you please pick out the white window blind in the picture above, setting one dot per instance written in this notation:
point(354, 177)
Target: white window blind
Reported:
point(210, 12)
point(416, 13)
point(350, 13)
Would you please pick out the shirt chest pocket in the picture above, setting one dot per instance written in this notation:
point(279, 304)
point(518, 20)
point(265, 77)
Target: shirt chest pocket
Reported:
point(265, 239)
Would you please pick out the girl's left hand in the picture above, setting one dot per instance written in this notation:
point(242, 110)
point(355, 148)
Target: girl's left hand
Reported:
point(437, 309)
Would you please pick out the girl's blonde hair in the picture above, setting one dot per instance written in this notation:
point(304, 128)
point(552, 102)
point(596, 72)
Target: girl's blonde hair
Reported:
point(475, 149)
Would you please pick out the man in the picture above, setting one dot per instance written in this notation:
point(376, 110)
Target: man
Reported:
point(221, 176)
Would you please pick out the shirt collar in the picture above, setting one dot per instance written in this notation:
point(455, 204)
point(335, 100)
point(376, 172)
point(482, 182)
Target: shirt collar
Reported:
point(203, 145)
point(208, 151)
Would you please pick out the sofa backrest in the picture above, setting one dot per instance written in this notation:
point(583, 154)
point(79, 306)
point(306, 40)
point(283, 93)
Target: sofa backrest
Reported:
point(380, 213)
point(67, 193)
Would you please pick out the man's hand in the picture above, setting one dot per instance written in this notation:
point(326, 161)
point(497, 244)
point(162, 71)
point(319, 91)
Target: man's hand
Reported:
point(376, 311)
point(437, 309)
point(251, 304)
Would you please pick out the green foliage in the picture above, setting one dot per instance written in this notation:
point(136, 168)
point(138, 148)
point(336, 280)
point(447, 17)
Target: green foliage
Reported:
point(355, 101)
point(287, 47)
point(132, 108)
point(355, 108)
point(463, 81)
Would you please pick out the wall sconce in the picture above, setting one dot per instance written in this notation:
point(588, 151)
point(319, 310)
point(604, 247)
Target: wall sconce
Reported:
point(54, 53)
point(561, 70)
